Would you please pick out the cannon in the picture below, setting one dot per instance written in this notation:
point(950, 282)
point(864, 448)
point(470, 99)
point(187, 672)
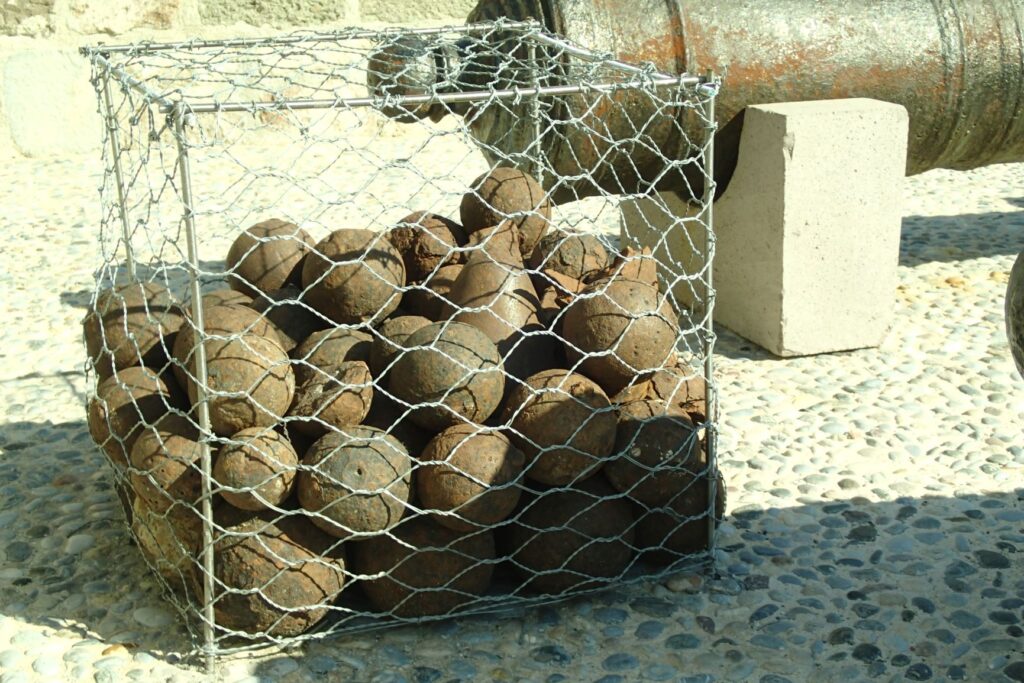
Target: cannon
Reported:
point(956, 65)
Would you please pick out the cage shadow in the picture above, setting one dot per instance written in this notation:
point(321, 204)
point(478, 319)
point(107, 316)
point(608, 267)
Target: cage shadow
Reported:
point(907, 559)
point(213, 277)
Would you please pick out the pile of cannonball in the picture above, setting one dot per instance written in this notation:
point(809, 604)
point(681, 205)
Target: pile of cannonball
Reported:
point(400, 421)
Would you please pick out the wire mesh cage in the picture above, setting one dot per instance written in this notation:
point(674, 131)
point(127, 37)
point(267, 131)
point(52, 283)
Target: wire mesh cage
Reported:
point(368, 348)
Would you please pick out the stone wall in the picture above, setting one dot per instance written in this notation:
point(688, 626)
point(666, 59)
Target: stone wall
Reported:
point(47, 106)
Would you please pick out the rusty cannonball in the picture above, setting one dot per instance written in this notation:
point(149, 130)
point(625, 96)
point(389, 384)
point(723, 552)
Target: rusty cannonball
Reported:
point(338, 397)
point(293, 320)
point(657, 453)
point(169, 540)
point(223, 297)
point(574, 254)
point(267, 256)
point(124, 403)
point(387, 415)
point(572, 539)
point(426, 241)
point(507, 193)
point(457, 376)
point(165, 463)
point(131, 324)
point(250, 383)
point(355, 481)
point(429, 298)
point(439, 558)
point(680, 527)
point(273, 576)
point(628, 319)
point(354, 276)
point(564, 424)
point(391, 342)
point(256, 469)
point(326, 348)
point(471, 474)
point(679, 388)
point(226, 320)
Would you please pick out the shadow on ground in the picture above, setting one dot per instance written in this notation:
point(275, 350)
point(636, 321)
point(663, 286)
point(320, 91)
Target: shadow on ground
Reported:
point(854, 588)
point(954, 238)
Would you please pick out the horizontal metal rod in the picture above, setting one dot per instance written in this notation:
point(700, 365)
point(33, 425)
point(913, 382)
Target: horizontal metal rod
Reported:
point(166, 105)
point(293, 39)
point(470, 96)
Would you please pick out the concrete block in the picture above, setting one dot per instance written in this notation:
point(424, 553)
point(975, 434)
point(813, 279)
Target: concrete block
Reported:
point(48, 102)
point(807, 233)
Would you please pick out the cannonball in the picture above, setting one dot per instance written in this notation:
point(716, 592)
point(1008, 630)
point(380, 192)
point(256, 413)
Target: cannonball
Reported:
point(273, 576)
point(657, 453)
point(338, 397)
point(250, 383)
point(564, 424)
point(457, 377)
point(391, 342)
point(1015, 313)
point(325, 348)
point(356, 481)
point(294, 320)
point(574, 254)
point(260, 465)
point(124, 403)
point(267, 256)
point(507, 193)
point(679, 388)
point(169, 540)
point(425, 558)
point(426, 241)
point(470, 473)
point(165, 461)
point(404, 65)
point(387, 415)
point(628, 319)
point(430, 297)
point(222, 297)
point(572, 539)
point(680, 527)
point(131, 324)
point(354, 276)
point(227, 320)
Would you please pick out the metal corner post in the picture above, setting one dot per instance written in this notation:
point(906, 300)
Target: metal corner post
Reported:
point(201, 379)
point(115, 152)
point(711, 394)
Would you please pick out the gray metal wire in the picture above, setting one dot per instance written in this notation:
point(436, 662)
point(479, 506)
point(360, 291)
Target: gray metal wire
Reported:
point(205, 139)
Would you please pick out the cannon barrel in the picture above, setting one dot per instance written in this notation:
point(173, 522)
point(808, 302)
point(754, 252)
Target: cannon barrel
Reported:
point(956, 65)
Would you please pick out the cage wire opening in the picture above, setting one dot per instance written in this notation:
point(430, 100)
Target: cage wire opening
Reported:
point(426, 379)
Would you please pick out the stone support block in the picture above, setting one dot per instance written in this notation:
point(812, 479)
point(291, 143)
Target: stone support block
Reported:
point(807, 233)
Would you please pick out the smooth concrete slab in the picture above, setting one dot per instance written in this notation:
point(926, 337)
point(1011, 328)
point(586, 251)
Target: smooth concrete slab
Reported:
point(807, 234)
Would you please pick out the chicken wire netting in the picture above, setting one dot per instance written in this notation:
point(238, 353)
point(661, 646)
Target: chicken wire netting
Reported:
point(368, 346)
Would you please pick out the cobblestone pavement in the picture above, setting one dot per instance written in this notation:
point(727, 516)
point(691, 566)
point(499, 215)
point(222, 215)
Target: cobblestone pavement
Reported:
point(876, 529)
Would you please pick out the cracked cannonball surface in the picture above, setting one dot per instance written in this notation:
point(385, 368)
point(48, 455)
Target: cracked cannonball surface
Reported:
point(356, 481)
point(293, 319)
point(170, 540)
point(226, 320)
point(564, 424)
point(469, 473)
point(680, 527)
point(438, 558)
point(574, 254)
point(261, 463)
point(430, 298)
point(627, 318)
point(340, 396)
point(124, 403)
point(426, 241)
point(131, 324)
point(679, 388)
point(275, 576)
point(391, 342)
point(507, 193)
point(354, 276)
point(657, 453)
point(572, 539)
point(166, 463)
point(267, 256)
point(457, 376)
point(325, 348)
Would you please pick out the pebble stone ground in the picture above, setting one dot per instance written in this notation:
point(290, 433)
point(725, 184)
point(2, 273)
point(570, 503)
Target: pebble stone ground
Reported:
point(876, 529)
